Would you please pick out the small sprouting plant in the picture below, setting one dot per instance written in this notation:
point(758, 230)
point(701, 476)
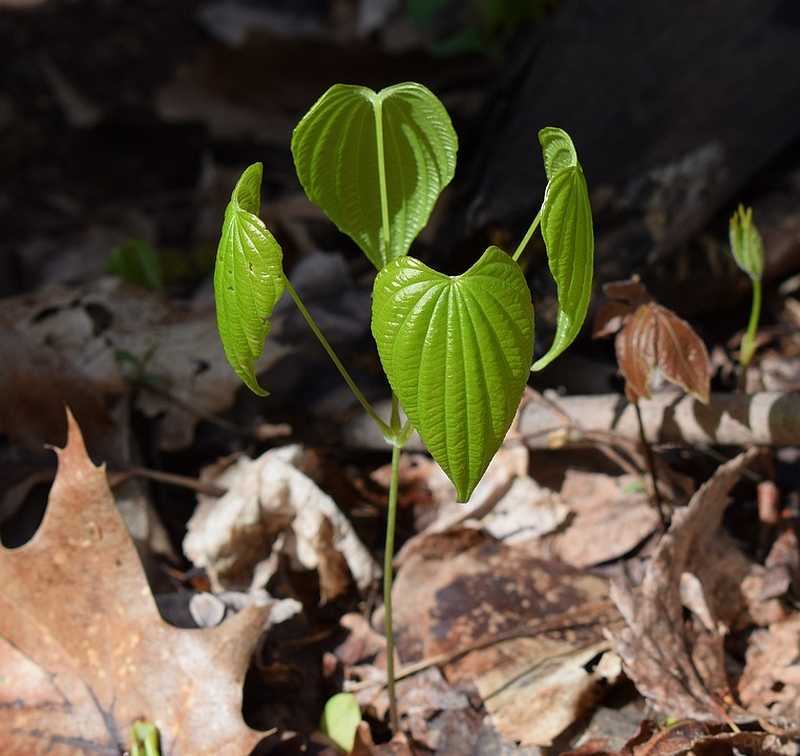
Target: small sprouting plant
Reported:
point(748, 251)
point(456, 350)
point(651, 339)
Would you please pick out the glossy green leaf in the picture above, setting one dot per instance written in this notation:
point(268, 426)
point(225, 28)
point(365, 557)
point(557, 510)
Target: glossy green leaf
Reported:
point(340, 719)
point(569, 238)
point(558, 151)
point(248, 278)
point(457, 352)
point(746, 244)
point(372, 160)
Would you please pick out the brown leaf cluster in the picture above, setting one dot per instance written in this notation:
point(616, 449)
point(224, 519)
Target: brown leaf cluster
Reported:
point(651, 337)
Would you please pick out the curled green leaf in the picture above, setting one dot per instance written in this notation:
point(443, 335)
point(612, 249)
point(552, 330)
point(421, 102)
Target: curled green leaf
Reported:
point(746, 243)
point(457, 352)
point(569, 237)
point(376, 162)
point(248, 278)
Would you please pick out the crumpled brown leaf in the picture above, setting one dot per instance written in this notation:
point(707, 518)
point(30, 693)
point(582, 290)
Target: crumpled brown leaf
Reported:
point(273, 509)
point(83, 650)
point(680, 665)
point(462, 589)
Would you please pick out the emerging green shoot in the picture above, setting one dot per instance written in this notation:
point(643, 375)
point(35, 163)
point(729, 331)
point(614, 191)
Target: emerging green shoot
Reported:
point(748, 251)
point(144, 739)
point(340, 719)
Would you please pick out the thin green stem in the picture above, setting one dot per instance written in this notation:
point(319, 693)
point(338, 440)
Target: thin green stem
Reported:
point(749, 341)
point(528, 234)
point(388, 555)
point(382, 178)
point(369, 409)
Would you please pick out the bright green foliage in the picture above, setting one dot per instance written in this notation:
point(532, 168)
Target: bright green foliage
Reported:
point(746, 244)
point(457, 352)
point(144, 739)
point(248, 278)
point(569, 237)
point(136, 262)
point(376, 162)
point(340, 719)
point(748, 251)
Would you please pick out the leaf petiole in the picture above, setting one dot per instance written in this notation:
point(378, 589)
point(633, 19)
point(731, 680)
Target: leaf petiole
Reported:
point(528, 234)
point(312, 324)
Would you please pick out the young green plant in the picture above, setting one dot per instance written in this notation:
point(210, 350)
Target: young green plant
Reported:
point(456, 350)
point(748, 251)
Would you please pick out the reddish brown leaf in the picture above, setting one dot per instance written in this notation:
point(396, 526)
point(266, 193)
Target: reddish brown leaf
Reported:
point(656, 338)
point(630, 291)
point(83, 650)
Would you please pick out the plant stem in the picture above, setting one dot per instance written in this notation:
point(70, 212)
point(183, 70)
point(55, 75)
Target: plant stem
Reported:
point(369, 409)
point(382, 179)
point(651, 464)
point(528, 234)
point(388, 554)
point(749, 341)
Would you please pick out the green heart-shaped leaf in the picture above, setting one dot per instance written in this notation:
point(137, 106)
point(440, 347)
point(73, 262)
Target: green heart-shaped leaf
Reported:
point(248, 278)
point(373, 161)
point(457, 352)
point(569, 237)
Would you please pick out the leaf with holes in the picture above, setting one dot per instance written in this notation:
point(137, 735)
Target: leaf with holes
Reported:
point(656, 338)
point(569, 237)
point(457, 352)
point(248, 278)
point(373, 161)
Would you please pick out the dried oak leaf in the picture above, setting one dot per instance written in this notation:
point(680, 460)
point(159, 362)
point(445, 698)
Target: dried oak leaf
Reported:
point(83, 650)
point(656, 338)
point(680, 664)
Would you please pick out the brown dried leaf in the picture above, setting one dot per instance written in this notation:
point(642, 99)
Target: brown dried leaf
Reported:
point(680, 665)
point(609, 519)
point(83, 650)
point(630, 291)
point(463, 588)
point(656, 338)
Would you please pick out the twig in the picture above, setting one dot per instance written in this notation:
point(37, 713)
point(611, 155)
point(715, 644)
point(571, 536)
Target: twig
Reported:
point(182, 481)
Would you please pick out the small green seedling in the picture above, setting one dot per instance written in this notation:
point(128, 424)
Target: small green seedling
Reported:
point(456, 350)
point(340, 719)
point(748, 251)
point(144, 739)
